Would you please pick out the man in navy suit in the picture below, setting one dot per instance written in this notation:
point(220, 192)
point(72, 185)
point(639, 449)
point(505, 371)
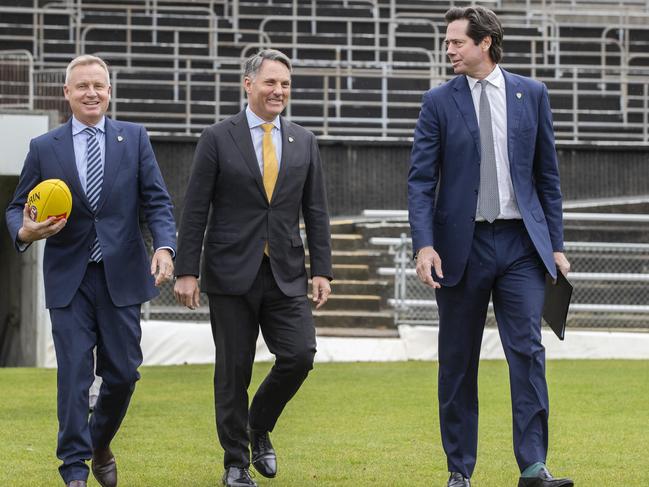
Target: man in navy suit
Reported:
point(253, 174)
point(485, 213)
point(95, 265)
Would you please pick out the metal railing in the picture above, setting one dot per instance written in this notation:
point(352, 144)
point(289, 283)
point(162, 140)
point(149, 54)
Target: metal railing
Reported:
point(17, 75)
point(348, 89)
point(610, 278)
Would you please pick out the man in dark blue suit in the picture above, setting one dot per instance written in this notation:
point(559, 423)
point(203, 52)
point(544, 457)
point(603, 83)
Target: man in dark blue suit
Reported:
point(95, 265)
point(485, 213)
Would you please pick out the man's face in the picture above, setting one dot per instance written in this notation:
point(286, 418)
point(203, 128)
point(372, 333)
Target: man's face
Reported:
point(465, 56)
point(269, 90)
point(88, 93)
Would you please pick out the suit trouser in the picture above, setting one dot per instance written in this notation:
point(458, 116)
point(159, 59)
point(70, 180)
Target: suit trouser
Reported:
point(287, 327)
point(92, 320)
point(503, 263)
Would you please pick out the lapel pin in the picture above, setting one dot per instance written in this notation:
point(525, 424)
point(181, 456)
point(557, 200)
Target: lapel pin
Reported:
point(519, 95)
point(290, 138)
point(120, 138)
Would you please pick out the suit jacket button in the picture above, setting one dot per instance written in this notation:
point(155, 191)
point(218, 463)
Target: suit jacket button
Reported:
point(472, 218)
point(96, 219)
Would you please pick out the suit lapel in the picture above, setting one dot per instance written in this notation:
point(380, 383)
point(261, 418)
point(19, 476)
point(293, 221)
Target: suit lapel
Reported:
point(64, 151)
point(114, 146)
point(515, 100)
point(288, 140)
point(464, 101)
point(240, 133)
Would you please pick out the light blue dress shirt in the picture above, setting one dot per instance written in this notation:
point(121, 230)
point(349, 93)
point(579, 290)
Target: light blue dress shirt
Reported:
point(257, 133)
point(80, 140)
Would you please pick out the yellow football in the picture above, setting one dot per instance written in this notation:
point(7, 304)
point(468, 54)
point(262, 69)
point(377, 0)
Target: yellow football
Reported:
point(51, 197)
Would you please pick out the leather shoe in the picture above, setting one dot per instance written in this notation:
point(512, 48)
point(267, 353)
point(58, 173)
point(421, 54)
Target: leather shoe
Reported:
point(104, 467)
point(458, 480)
point(77, 483)
point(263, 456)
point(238, 477)
point(544, 479)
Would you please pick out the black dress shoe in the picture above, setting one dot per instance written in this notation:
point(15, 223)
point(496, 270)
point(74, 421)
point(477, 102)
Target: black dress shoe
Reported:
point(263, 455)
point(238, 477)
point(544, 479)
point(104, 468)
point(458, 480)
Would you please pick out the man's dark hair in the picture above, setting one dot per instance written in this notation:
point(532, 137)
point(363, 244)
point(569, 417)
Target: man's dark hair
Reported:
point(482, 23)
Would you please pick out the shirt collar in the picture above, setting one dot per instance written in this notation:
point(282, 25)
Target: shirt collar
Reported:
point(495, 78)
point(78, 127)
point(256, 121)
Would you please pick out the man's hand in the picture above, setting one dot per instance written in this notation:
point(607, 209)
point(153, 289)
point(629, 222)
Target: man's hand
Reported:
point(162, 266)
point(562, 263)
point(427, 259)
point(32, 231)
point(187, 291)
point(321, 289)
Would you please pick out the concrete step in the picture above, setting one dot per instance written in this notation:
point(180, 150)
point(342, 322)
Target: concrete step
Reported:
point(354, 319)
point(373, 258)
point(369, 287)
point(358, 272)
point(383, 229)
point(353, 302)
point(346, 241)
point(342, 226)
point(362, 256)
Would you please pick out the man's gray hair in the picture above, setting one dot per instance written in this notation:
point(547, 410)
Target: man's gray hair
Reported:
point(253, 63)
point(84, 60)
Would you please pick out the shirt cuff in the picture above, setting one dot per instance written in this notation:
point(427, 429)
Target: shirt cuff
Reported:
point(173, 253)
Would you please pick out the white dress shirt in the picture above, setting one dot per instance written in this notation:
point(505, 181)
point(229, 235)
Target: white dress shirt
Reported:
point(498, 102)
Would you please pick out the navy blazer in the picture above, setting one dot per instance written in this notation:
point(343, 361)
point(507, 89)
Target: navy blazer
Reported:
point(226, 180)
point(444, 174)
point(132, 185)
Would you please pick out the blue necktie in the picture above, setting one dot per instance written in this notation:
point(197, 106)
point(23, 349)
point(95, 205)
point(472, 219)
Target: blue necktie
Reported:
point(488, 199)
point(94, 179)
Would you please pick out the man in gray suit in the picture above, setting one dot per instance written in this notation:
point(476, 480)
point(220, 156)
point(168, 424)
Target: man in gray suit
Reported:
point(255, 171)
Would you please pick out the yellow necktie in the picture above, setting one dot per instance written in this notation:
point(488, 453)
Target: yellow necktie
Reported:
point(271, 168)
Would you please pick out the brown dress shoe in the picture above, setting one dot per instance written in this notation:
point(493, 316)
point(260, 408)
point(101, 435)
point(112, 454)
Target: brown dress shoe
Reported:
point(77, 483)
point(104, 467)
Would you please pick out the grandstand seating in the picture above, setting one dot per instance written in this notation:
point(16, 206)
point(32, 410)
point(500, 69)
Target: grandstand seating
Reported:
point(361, 66)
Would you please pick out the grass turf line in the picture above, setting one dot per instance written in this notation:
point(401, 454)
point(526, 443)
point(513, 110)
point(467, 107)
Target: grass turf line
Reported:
point(358, 424)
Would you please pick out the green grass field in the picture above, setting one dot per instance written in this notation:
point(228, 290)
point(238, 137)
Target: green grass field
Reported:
point(363, 424)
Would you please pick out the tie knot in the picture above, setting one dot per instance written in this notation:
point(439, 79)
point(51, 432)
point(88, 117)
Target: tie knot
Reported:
point(483, 83)
point(90, 131)
point(267, 127)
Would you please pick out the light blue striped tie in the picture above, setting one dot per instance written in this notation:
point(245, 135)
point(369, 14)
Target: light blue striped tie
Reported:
point(94, 179)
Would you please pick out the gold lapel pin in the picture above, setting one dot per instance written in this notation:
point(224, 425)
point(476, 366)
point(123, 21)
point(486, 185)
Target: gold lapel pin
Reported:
point(519, 95)
point(290, 139)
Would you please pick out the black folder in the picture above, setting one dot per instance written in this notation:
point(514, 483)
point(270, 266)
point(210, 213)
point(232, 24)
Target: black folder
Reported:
point(557, 301)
